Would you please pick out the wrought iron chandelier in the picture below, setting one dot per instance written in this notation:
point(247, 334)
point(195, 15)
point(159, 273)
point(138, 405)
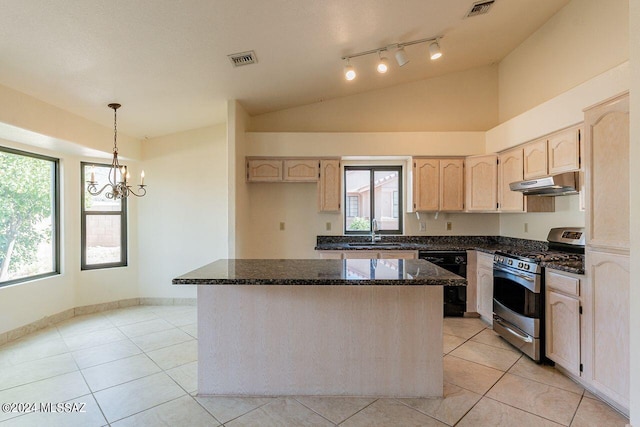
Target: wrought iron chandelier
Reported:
point(117, 188)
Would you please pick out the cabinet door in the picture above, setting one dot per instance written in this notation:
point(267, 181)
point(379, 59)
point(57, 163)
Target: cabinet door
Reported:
point(264, 170)
point(426, 184)
point(535, 159)
point(562, 326)
point(451, 184)
point(607, 173)
point(302, 170)
point(485, 293)
point(564, 151)
point(606, 314)
point(329, 186)
point(511, 170)
point(330, 254)
point(481, 183)
point(398, 255)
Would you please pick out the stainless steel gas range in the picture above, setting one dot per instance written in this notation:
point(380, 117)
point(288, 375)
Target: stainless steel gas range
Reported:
point(518, 288)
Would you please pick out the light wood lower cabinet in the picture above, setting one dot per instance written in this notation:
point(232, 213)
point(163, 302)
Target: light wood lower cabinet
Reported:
point(484, 282)
point(366, 254)
point(562, 319)
point(606, 311)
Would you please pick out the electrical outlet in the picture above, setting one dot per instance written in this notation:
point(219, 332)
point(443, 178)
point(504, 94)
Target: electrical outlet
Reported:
point(281, 226)
point(526, 227)
point(422, 226)
point(328, 226)
point(448, 225)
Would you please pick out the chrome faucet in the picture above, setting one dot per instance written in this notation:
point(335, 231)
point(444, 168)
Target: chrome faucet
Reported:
point(374, 229)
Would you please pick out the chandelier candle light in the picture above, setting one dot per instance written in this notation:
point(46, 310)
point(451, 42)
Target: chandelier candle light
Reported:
point(116, 189)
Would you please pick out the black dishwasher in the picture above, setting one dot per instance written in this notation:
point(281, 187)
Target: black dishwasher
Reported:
point(455, 297)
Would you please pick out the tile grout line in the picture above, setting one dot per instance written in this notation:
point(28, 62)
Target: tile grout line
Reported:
point(353, 415)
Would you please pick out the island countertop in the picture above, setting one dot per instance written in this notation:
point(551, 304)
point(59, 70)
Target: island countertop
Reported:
point(331, 272)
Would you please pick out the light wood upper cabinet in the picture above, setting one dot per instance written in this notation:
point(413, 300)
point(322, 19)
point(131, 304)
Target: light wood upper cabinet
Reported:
point(554, 154)
point(264, 170)
point(451, 184)
point(329, 186)
point(438, 184)
point(607, 174)
point(562, 323)
point(301, 170)
point(510, 170)
point(535, 159)
point(426, 184)
point(481, 183)
point(564, 151)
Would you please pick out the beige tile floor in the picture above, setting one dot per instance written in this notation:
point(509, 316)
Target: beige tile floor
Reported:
point(137, 367)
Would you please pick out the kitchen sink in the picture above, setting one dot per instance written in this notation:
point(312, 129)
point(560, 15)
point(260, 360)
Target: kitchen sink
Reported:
point(383, 244)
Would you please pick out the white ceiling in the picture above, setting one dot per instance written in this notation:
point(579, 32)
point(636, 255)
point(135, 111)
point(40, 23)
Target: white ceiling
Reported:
point(166, 61)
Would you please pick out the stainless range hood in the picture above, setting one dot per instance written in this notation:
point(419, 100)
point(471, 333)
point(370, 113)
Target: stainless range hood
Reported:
point(557, 185)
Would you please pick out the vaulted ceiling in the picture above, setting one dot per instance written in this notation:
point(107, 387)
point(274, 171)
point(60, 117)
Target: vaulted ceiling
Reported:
point(166, 61)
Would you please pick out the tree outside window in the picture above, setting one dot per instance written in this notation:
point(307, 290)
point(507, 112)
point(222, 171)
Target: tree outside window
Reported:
point(385, 184)
point(29, 236)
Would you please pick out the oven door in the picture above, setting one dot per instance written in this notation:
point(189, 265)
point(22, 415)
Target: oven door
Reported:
point(517, 298)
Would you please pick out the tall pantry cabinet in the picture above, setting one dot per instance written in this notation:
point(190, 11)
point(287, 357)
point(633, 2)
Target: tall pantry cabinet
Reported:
point(606, 310)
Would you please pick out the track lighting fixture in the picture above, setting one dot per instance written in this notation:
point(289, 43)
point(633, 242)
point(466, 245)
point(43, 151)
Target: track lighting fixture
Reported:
point(349, 71)
point(400, 55)
point(383, 63)
point(434, 50)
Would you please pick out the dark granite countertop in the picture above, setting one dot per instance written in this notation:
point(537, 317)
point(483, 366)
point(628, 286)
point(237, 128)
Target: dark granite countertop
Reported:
point(487, 244)
point(359, 272)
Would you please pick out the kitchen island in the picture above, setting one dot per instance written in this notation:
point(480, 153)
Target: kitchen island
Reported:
point(320, 327)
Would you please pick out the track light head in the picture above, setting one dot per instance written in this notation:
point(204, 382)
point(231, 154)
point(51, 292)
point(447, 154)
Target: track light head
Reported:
point(401, 56)
point(383, 64)
point(349, 71)
point(434, 50)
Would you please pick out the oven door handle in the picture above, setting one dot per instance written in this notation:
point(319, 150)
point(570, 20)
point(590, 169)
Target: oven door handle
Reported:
point(513, 272)
point(525, 338)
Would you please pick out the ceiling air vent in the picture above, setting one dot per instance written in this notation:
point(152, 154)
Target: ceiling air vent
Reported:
point(243, 58)
point(480, 8)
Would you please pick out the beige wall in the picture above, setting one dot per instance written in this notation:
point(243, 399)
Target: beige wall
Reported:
point(634, 177)
point(239, 209)
point(464, 101)
point(183, 221)
point(583, 40)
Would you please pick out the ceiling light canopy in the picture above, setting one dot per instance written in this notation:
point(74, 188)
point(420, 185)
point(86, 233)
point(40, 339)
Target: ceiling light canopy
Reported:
point(401, 56)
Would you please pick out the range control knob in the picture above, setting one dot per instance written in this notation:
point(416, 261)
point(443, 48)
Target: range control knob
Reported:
point(527, 267)
point(510, 262)
point(520, 264)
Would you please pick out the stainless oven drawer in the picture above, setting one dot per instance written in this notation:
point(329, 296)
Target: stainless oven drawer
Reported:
point(516, 337)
